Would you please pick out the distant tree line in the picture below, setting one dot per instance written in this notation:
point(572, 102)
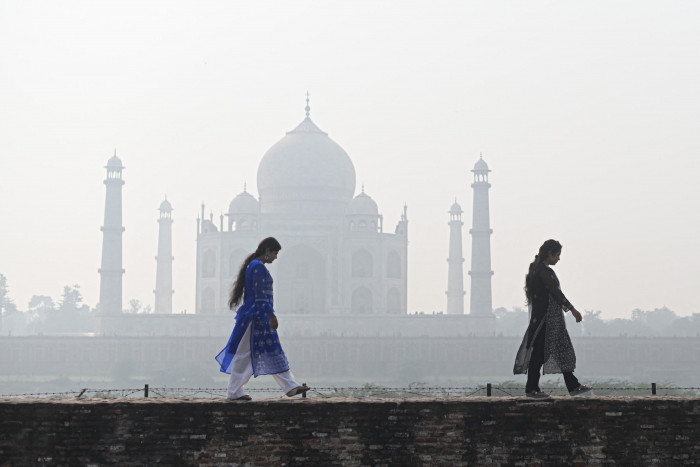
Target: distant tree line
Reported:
point(71, 315)
point(657, 322)
point(43, 315)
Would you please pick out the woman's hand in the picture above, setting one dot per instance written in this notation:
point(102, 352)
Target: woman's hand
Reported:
point(274, 323)
point(577, 315)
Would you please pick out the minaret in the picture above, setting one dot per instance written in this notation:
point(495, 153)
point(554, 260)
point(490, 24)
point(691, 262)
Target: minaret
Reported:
point(164, 260)
point(480, 300)
point(402, 231)
point(111, 271)
point(455, 270)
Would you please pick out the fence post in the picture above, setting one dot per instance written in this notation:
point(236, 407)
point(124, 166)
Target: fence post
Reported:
point(653, 389)
point(145, 390)
point(303, 394)
point(488, 389)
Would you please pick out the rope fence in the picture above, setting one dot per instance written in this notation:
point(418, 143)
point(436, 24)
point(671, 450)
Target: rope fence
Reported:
point(359, 392)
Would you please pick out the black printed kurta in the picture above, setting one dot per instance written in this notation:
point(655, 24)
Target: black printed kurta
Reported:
point(547, 312)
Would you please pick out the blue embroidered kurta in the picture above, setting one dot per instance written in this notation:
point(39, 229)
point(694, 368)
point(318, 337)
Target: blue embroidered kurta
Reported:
point(267, 356)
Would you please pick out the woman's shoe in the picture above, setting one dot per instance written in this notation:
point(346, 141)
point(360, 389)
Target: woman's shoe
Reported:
point(298, 390)
point(580, 390)
point(537, 395)
point(245, 397)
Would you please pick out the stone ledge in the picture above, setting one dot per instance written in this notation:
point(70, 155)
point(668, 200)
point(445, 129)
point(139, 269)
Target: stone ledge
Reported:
point(339, 400)
point(629, 430)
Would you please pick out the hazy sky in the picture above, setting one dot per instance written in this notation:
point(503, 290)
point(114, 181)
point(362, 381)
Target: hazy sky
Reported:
point(587, 113)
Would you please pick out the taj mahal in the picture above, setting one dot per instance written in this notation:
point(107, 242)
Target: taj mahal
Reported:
point(338, 260)
point(337, 257)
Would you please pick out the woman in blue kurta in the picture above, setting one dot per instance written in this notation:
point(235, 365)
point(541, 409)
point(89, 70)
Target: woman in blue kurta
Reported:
point(254, 347)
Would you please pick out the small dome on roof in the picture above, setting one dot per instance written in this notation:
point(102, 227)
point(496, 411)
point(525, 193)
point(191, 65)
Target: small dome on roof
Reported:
point(114, 162)
point(363, 204)
point(208, 226)
point(244, 203)
point(456, 207)
point(481, 165)
point(165, 206)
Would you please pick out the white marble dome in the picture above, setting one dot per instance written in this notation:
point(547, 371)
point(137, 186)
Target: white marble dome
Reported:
point(244, 203)
point(363, 204)
point(305, 169)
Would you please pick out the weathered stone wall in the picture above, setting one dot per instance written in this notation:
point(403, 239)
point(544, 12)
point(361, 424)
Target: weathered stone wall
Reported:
point(343, 432)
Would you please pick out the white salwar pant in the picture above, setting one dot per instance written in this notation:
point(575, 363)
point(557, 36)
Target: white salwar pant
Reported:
point(242, 370)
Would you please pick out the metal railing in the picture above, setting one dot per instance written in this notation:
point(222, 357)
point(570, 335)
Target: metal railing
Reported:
point(359, 392)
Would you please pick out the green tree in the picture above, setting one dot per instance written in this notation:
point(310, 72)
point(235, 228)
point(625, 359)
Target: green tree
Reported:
point(71, 315)
point(593, 324)
point(12, 321)
point(134, 306)
point(38, 309)
point(659, 320)
point(71, 298)
point(40, 303)
point(7, 306)
point(3, 290)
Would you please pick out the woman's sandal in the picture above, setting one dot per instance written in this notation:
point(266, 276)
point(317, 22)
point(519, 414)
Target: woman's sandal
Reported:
point(298, 390)
point(245, 397)
point(580, 390)
point(537, 395)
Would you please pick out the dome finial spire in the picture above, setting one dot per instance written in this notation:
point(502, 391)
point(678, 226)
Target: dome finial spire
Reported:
point(307, 108)
point(481, 155)
point(245, 187)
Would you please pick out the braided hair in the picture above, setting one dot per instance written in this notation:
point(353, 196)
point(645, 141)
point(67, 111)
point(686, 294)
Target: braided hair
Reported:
point(271, 244)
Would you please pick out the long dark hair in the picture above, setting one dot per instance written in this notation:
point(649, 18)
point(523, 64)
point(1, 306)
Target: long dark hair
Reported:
point(271, 244)
point(547, 248)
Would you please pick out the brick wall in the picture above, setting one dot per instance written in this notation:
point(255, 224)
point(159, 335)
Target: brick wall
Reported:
point(329, 432)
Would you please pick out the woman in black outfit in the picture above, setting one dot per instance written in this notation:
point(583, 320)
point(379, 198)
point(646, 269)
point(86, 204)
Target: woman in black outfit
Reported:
point(546, 342)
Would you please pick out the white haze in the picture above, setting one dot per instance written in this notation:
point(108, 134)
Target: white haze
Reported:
point(587, 113)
